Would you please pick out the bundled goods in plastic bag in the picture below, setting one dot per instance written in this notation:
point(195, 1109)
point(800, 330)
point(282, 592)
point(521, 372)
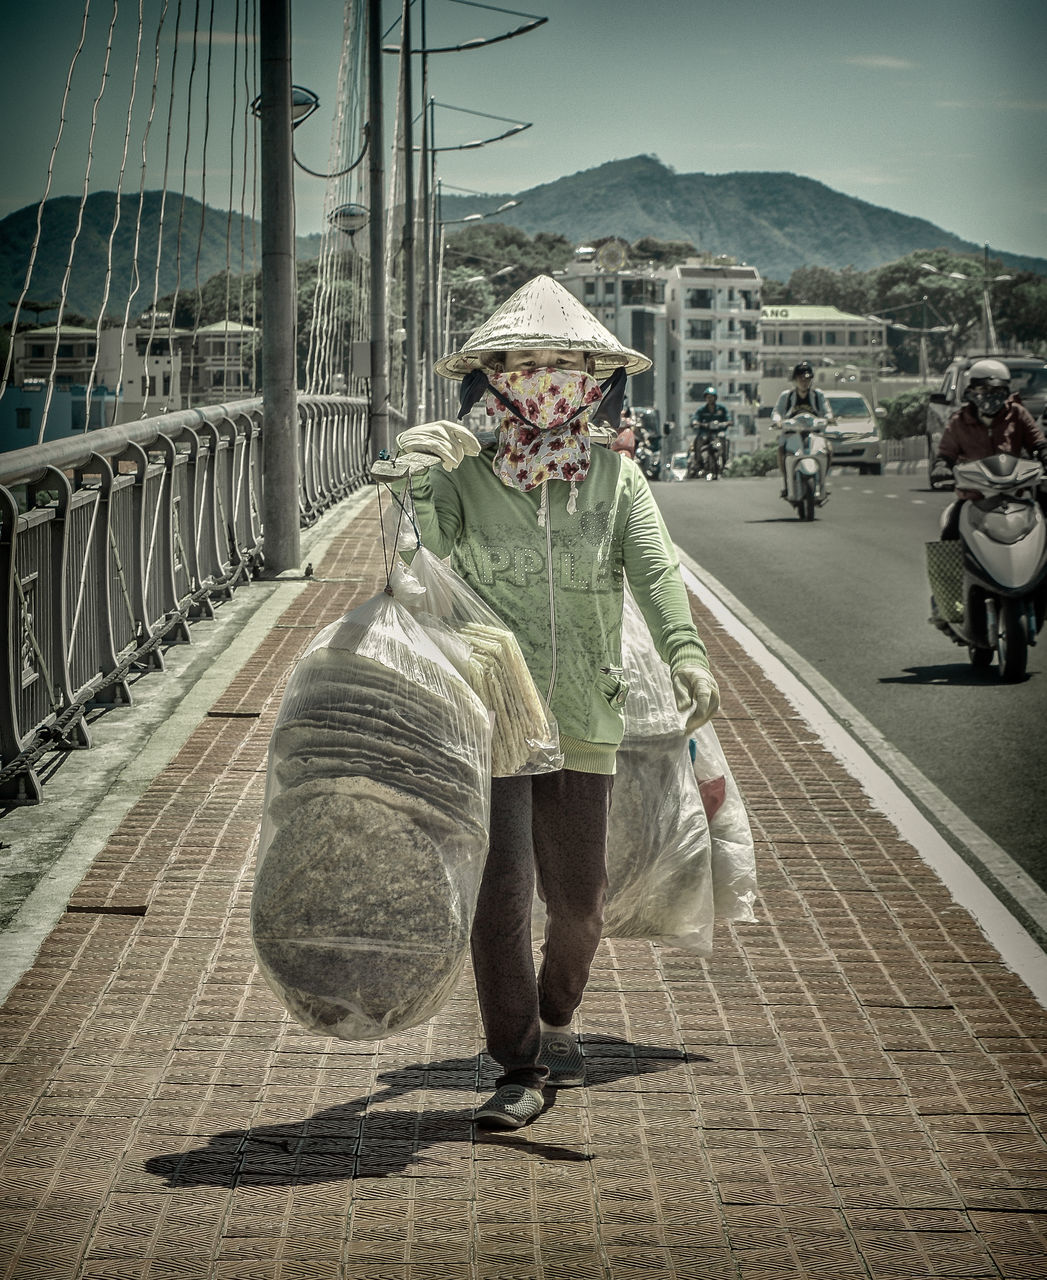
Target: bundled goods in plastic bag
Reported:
point(375, 828)
point(672, 870)
point(524, 736)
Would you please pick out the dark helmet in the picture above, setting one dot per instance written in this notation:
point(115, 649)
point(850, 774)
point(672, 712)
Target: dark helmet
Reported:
point(804, 366)
point(709, 391)
point(988, 386)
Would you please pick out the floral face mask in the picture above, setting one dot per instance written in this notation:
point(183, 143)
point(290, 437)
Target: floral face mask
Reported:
point(544, 433)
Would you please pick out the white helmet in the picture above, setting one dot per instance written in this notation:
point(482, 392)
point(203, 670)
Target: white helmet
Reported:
point(988, 385)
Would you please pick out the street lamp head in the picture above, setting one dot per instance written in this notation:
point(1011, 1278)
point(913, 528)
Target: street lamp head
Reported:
point(349, 218)
point(303, 103)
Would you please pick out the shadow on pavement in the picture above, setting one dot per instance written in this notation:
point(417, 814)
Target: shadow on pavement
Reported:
point(350, 1141)
point(953, 673)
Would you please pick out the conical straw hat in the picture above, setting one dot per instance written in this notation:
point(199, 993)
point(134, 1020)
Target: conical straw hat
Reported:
point(543, 314)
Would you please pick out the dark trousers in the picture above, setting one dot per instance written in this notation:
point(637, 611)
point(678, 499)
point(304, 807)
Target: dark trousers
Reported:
point(555, 825)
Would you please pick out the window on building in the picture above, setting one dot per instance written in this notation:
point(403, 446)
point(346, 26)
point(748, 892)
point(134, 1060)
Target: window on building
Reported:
point(788, 337)
point(608, 288)
point(167, 384)
point(811, 338)
point(23, 418)
point(38, 351)
point(698, 299)
point(854, 337)
point(699, 330)
point(590, 288)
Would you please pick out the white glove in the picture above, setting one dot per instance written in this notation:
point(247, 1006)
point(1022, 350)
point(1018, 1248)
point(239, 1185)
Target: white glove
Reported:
point(445, 442)
point(697, 695)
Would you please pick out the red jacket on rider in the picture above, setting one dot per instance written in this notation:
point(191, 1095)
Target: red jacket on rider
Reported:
point(1013, 429)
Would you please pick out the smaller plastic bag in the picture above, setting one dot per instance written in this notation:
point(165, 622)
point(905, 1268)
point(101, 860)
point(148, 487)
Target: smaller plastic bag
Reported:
point(680, 851)
point(525, 739)
point(374, 831)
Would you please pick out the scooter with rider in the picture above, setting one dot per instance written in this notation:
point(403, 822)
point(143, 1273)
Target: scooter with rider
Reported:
point(804, 454)
point(710, 447)
point(988, 571)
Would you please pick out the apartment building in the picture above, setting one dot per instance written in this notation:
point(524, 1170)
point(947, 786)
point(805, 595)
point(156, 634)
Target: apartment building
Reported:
point(699, 322)
point(631, 303)
point(713, 317)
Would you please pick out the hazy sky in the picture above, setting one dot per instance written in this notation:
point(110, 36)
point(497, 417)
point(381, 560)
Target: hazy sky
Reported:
point(935, 108)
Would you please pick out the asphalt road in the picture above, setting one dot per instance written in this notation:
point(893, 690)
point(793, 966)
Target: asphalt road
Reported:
point(849, 594)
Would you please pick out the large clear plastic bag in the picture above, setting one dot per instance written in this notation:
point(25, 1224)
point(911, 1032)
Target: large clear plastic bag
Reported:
point(525, 737)
point(672, 869)
point(375, 827)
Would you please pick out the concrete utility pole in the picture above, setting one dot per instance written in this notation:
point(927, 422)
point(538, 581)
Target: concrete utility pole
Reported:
point(379, 414)
point(410, 297)
point(280, 496)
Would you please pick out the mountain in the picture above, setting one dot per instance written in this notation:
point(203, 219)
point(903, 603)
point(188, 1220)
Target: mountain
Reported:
point(777, 222)
point(87, 277)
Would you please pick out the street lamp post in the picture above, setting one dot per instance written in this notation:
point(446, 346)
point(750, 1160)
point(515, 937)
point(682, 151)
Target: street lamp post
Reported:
point(989, 341)
point(923, 330)
point(441, 301)
point(279, 382)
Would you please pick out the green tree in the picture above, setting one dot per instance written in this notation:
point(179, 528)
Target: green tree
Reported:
point(506, 256)
point(821, 286)
point(1021, 315)
point(774, 293)
point(664, 253)
point(906, 414)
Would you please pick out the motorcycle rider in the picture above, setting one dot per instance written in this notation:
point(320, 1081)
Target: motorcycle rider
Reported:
point(990, 421)
point(704, 424)
point(801, 397)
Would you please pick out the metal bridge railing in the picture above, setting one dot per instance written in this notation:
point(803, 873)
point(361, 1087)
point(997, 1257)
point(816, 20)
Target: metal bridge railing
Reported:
point(113, 542)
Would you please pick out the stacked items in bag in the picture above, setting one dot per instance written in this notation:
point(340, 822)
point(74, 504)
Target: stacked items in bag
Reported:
point(375, 828)
point(487, 655)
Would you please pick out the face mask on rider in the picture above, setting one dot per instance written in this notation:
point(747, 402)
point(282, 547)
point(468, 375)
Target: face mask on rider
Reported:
point(989, 400)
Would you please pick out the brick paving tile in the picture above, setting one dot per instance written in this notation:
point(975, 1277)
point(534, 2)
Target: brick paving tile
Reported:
point(852, 1088)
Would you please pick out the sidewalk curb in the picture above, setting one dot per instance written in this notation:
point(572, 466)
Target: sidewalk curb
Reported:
point(1009, 906)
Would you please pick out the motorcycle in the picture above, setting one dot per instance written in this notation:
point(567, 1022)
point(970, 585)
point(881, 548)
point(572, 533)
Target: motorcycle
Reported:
point(812, 462)
point(708, 456)
point(998, 566)
point(649, 456)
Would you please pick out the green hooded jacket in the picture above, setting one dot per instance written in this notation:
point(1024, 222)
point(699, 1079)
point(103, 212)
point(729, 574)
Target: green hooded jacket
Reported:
point(559, 588)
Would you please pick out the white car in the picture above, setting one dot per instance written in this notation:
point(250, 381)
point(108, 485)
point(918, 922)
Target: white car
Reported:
point(855, 435)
